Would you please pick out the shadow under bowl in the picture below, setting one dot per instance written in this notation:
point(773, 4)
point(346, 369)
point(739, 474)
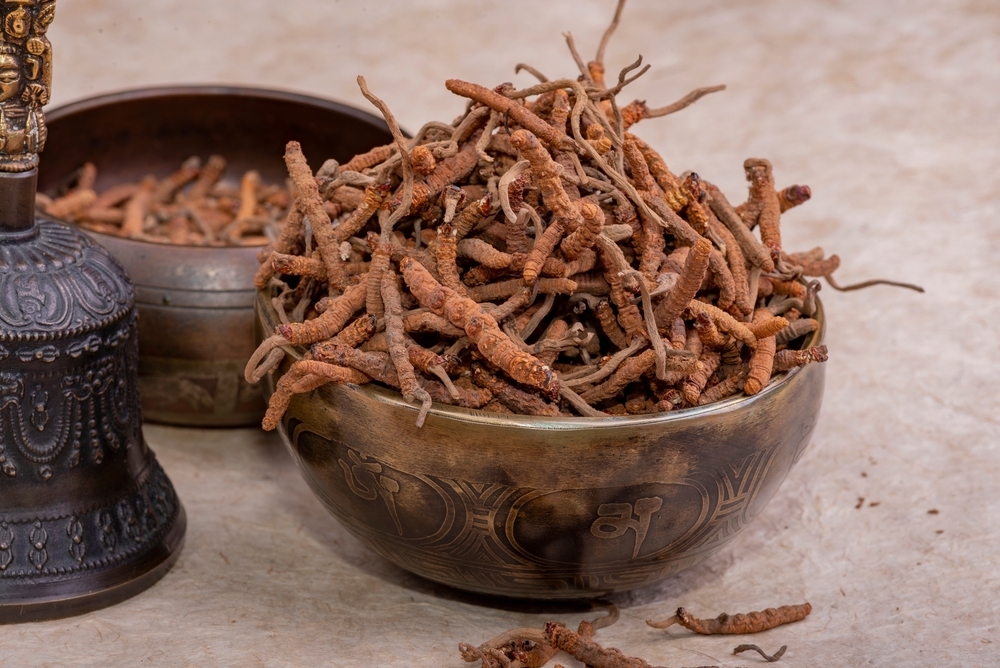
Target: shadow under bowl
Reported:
point(195, 304)
point(545, 508)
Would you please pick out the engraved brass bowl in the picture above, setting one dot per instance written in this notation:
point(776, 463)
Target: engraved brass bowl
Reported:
point(196, 304)
point(546, 508)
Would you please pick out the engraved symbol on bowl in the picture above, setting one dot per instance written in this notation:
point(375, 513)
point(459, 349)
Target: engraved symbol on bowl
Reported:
point(364, 479)
point(606, 525)
point(614, 520)
point(363, 490)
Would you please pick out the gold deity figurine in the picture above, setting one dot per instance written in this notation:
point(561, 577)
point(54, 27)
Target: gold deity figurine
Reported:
point(25, 81)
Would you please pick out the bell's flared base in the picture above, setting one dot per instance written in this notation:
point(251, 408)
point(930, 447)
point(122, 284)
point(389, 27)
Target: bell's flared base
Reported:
point(67, 563)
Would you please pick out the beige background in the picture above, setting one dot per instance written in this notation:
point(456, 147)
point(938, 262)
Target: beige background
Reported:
point(888, 110)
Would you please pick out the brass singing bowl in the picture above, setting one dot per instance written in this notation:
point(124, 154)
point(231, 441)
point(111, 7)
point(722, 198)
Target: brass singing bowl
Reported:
point(196, 303)
point(545, 508)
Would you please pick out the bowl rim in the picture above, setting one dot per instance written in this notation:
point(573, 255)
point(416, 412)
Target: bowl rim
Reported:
point(247, 251)
point(267, 316)
point(204, 90)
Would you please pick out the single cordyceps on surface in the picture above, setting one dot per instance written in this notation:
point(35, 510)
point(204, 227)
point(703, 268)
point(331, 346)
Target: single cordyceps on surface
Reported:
point(548, 250)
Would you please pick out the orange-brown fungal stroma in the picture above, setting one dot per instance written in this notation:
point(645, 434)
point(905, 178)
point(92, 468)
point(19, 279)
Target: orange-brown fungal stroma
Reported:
point(752, 622)
point(479, 326)
point(535, 245)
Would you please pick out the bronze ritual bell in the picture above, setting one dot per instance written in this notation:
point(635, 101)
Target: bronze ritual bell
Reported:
point(87, 516)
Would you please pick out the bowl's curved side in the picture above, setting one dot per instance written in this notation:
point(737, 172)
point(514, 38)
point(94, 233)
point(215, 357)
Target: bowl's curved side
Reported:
point(195, 331)
point(555, 509)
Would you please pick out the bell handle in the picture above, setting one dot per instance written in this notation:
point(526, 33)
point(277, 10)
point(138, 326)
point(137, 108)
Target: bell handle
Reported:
point(25, 87)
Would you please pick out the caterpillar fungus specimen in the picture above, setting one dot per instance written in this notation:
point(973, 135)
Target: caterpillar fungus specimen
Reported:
point(751, 622)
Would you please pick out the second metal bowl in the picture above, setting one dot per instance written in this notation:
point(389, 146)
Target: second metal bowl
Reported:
point(196, 304)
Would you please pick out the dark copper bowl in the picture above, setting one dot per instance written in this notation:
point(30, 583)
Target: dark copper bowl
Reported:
point(546, 508)
point(196, 304)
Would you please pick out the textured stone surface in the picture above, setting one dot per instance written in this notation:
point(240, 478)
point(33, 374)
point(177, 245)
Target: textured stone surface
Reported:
point(886, 109)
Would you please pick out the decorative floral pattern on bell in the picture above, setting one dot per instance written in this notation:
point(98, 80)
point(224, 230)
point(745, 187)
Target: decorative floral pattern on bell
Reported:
point(59, 286)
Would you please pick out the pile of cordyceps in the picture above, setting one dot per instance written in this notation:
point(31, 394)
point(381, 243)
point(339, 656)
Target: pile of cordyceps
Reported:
point(532, 647)
point(190, 207)
point(534, 256)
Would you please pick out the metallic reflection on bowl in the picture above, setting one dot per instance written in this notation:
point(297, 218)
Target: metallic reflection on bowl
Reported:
point(546, 508)
point(196, 304)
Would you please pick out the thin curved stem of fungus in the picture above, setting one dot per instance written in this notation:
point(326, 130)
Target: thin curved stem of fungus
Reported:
point(606, 37)
point(868, 284)
point(531, 70)
point(684, 102)
point(576, 56)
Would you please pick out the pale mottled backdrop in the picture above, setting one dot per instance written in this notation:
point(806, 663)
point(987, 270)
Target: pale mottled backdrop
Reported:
point(888, 110)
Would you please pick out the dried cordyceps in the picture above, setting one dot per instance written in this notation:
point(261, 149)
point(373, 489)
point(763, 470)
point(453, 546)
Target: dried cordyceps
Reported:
point(793, 196)
point(770, 658)
point(479, 326)
point(189, 207)
point(567, 268)
point(753, 622)
point(796, 329)
point(762, 207)
point(762, 359)
point(695, 383)
point(687, 286)
point(304, 376)
point(789, 359)
point(308, 199)
point(513, 109)
point(588, 651)
point(533, 648)
point(510, 396)
point(754, 250)
point(724, 388)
